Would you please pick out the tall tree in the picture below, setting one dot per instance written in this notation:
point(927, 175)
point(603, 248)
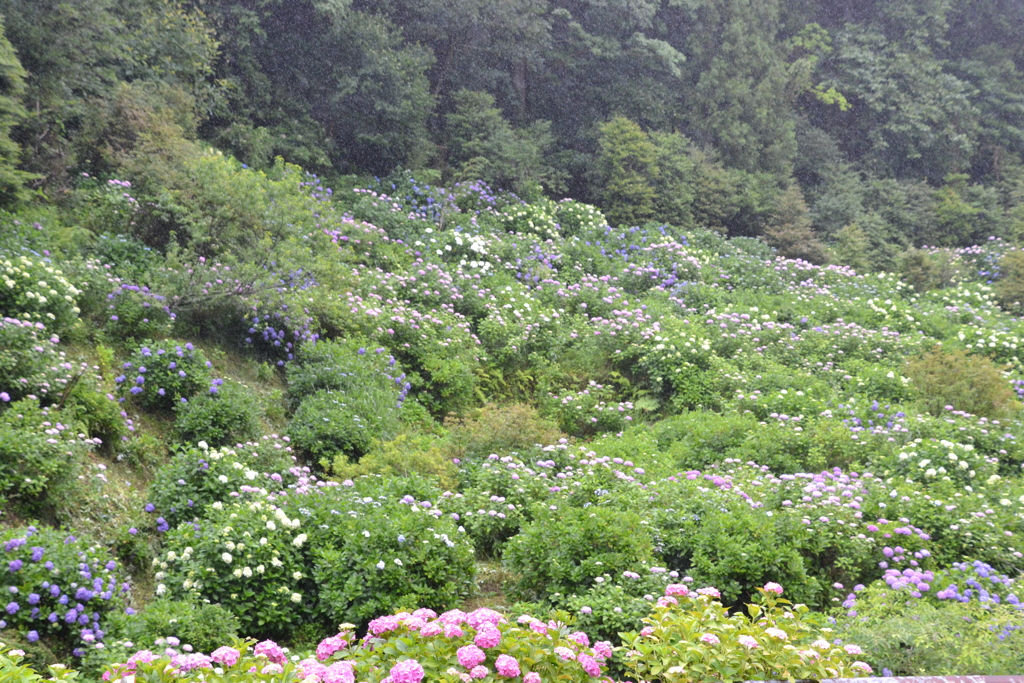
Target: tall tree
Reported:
point(75, 54)
point(740, 98)
point(12, 88)
point(328, 85)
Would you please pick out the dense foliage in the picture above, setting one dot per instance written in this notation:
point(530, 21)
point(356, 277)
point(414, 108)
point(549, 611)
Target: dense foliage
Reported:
point(504, 435)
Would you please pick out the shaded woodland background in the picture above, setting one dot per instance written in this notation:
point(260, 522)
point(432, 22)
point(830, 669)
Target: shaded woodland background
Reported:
point(844, 131)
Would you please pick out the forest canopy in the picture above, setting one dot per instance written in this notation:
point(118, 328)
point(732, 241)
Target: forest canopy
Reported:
point(885, 124)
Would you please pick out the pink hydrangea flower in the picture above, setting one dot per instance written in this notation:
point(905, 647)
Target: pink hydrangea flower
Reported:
point(339, 672)
point(565, 653)
point(589, 665)
point(470, 656)
point(852, 649)
point(407, 671)
point(777, 633)
point(272, 668)
point(479, 617)
point(452, 631)
point(709, 591)
point(507, 666)
point(453, 616)
point(311, 667)
point(191, 661)
point(328, 646)
point(747, 642)
point(414, 623)
point(773, 587)
point(141, 657)
point(861, 666)
point(647, 631)
point(225, 656)
point(710, 639)
point(479, 672)
point(431, 629)
point(532, 677)
point(425, 613)
point(580, 638)
point(677, 589)
point(538, 626)
point(383, 625)
point(488, 636)
point(603, 649)
point(271, 651)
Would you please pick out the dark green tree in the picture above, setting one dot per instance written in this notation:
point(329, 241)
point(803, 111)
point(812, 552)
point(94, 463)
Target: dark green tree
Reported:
point(12, 89)
point(75, 54)
point(626, 169)
point(483, 145)
point(322, 84)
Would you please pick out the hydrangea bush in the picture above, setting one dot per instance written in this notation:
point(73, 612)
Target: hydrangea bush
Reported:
point(454, 647)
point(315, 552)
point(945, 622)
point(34, 289)
point(39, 449)
point(197, 476)
point(247, 556)
point(60, 588)
point(160, 374)
point(691, 636)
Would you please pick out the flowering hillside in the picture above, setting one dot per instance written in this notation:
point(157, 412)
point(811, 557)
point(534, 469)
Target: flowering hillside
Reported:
point(593, 450)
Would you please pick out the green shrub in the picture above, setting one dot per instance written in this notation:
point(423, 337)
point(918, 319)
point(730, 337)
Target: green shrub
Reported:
point(225, 560)
point(489, 518)
point(160, 375)
point(1010, 285)
point(384, 554)
point(690, 636)
point(127, 257)
point(717, 538)
point(202, 627)
point(198, 476)
point(404, 456)
point(619, 603)
point(39, 447)
point(562, 552)
point(33, 289)
point(591, 410)
point(696, 439)
point(61, 589)
point(329, 425)
point(499, 429)
point(965, 381)
point(230, 416)
point(346, 366)
point(136, 313)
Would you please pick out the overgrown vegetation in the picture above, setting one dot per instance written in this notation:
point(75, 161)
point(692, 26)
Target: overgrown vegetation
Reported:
point(242, 401)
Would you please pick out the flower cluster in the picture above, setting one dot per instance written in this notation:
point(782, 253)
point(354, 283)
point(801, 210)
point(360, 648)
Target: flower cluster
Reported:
point(33, 289)
point(161, 374)
point(690, 636)
point(59, 587)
